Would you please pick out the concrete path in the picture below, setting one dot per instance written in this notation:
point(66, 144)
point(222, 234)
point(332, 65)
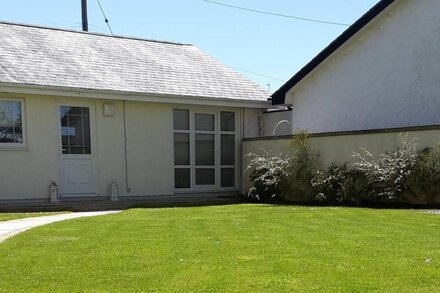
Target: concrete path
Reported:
point(13, 227)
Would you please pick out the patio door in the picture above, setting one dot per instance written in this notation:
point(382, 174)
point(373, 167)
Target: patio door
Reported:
point(205, 150)
point(76, 155)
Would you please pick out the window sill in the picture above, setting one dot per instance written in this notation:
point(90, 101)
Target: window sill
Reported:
point(13, 148)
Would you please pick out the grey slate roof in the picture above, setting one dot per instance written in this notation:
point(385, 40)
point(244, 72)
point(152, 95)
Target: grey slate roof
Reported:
point(42, 56)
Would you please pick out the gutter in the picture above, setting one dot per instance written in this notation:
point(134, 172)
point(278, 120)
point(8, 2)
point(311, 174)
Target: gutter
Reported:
point(129, 96)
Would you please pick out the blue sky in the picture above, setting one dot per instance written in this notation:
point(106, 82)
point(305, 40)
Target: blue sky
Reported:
point(264, 44)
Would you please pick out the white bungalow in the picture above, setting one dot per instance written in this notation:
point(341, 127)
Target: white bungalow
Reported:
point(85, 110)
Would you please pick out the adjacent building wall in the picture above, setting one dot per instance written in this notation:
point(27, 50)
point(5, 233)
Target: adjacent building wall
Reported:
point(388, 75)
point(278, 123)
point(260, 123)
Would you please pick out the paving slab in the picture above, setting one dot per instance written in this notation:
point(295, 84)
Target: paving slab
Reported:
point(13, 227)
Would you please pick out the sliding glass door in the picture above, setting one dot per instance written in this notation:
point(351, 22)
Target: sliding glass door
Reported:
point(205, 150)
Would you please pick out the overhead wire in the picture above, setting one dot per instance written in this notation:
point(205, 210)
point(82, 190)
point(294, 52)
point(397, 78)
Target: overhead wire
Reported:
point(105, 17)
point(256, 73)
point(278, 14)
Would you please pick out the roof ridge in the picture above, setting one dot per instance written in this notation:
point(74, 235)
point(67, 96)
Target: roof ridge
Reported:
point(92, 33)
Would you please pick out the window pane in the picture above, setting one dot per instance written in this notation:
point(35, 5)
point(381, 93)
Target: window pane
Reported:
point(10, 122)
point(205, 122)
point(182, 178)
point(66, 150)
point(205, 176)
point(76, 111)
point(227, 121)
point(181, 119)
point(18, 133)
point(75, 131)
point(205, 149)
point(228, 149)
point(181, 149)
point(76, 150)
point(63, 111)
point(228, 177)
point(86, 131)
point(16, 120)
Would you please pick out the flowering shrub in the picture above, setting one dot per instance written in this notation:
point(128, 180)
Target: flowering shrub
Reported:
point(388, 175)
point(268, 175)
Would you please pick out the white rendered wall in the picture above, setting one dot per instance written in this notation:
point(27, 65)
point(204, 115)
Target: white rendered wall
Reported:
point(253, 124)
point(278, 123)
point(257, 123)
point(27, 173)
point(388, 75)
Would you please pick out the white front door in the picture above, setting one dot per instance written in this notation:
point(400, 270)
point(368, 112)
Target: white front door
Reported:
point(76, 161)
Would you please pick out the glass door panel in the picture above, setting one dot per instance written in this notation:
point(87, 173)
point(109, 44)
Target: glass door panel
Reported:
point(227, 177)
point(75, 130)
point(205, 176)
point(227, 150)
point(205, 149)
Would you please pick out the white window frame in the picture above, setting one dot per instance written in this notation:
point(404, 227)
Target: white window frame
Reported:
point(175, 131)
point(194, 166)
point(192, 132)
point(15, 146)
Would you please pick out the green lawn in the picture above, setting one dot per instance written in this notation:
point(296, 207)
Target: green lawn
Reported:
point(244, 248)
point(14, 216)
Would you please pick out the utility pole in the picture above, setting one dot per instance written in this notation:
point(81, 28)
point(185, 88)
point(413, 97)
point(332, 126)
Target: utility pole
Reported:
point(85, 22)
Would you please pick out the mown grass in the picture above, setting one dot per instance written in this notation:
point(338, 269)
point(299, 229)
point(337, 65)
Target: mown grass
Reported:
point(241, 248)
point(14, 216)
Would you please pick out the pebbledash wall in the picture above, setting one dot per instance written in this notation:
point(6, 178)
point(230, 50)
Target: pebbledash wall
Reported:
point(338, 147)
point(387, 75)
point(27, 172)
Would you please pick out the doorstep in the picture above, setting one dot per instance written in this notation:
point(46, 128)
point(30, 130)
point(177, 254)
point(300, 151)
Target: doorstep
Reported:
point(104, 203)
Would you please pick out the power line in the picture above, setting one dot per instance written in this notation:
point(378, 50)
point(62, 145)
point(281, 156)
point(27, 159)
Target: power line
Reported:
point(277, 14)
point(78, 25)
point(105, 17)
point(260, 74)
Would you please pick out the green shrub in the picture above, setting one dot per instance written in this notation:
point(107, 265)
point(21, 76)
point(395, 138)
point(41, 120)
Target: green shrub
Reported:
point(424, 182)
point(301, 170)
point(268, 176)
point(387, 176)
point(339, 185)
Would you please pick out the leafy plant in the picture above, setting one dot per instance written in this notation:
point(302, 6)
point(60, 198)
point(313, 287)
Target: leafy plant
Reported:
point(424, 181)
point(268, 176)
point(388, 175)
point(339, 185)
point(301, 170)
